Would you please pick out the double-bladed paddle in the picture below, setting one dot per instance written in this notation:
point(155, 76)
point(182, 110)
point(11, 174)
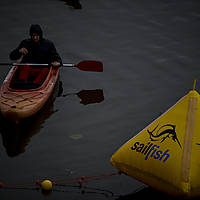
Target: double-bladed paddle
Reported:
point(87, 65)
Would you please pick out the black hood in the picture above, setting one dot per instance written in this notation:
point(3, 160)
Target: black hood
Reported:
point(35, 28)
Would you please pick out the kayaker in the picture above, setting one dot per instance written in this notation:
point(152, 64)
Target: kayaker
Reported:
point(36, 49)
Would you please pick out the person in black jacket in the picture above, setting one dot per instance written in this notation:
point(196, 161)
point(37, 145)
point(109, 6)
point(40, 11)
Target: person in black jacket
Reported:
point(36, 50)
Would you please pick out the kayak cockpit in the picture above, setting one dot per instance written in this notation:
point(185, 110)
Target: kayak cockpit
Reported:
point(27, 78)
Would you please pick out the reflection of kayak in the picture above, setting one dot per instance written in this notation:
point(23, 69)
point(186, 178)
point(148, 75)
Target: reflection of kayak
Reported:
point(16, 137)
point(19, 99)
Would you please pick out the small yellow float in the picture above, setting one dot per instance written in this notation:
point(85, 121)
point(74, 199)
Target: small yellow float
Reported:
point(166, 154)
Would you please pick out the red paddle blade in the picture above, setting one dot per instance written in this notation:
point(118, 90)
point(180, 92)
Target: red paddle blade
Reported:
point(90, 65)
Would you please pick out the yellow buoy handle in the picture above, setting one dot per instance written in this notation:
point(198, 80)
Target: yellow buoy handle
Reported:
point(194, 84)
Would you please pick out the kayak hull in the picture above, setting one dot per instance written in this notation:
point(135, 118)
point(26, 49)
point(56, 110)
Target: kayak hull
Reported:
point(18, 104)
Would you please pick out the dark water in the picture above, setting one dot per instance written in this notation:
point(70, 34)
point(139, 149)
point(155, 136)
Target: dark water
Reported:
point(150, 52)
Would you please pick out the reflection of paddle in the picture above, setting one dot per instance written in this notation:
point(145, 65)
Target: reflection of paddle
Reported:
point(74, 3)
point(88, 96)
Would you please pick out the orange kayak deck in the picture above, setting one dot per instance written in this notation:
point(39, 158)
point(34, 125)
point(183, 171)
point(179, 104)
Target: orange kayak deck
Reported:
point(17, 104)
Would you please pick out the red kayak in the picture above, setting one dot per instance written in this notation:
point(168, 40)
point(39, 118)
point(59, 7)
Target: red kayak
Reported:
point(25, 90)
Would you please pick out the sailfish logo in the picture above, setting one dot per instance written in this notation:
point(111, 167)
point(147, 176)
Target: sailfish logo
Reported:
point(164, 132)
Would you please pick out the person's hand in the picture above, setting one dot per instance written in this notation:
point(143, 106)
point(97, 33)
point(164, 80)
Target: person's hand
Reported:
point(55, 64)
point(23, 51)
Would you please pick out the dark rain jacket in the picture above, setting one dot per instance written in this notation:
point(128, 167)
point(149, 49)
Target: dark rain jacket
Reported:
point(42, 52)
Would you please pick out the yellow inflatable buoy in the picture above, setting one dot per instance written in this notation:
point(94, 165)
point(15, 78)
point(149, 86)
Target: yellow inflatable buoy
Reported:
point(46, 185)
point(165, 155)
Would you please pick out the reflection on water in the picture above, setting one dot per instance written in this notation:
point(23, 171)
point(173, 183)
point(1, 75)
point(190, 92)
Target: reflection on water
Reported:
point(83, 190)
point(80, 190)
point(74, 3)
point(17, 137)
point(145, 193)
point(88, 96)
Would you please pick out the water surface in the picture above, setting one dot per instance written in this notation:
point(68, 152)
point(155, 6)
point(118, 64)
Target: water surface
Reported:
point(150, 52)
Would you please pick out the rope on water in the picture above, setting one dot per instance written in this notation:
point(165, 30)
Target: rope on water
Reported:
point(76, 182)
